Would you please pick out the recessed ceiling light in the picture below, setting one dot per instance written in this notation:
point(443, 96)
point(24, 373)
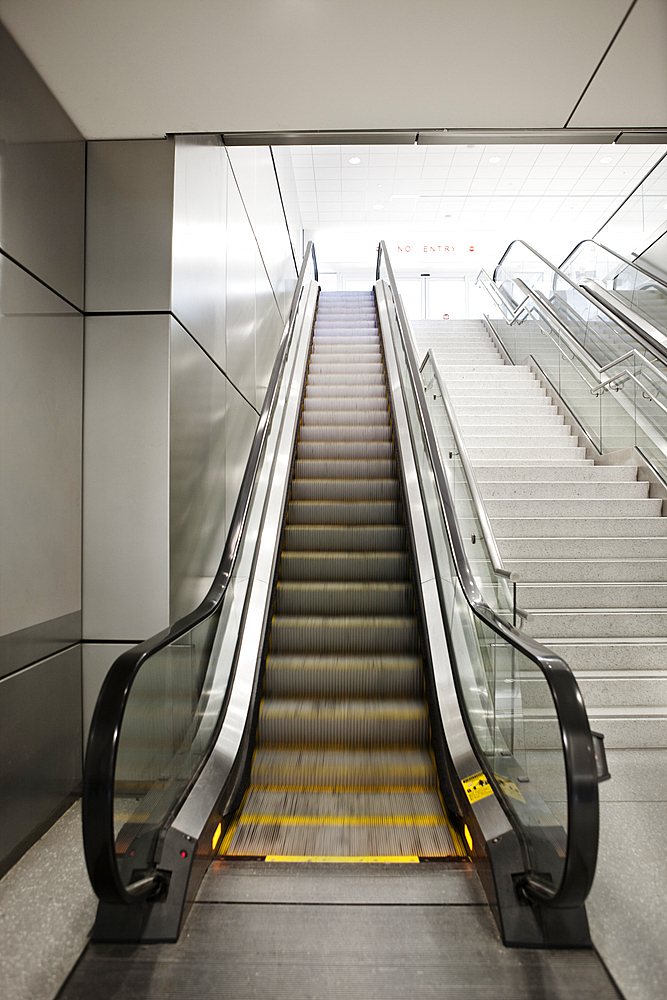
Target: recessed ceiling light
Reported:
point(605, 159)
point(354, 159)
point(448, 216)
point(379, 185)
point(471, 147)
point(378, 207)
point(494, 159)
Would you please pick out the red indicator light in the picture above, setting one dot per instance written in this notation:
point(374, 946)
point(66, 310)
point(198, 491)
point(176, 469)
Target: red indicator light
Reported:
point(184, 854)
point(131, 854)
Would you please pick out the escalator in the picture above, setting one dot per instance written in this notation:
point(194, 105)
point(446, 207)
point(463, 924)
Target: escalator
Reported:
point(344, 693)
point(342, 763)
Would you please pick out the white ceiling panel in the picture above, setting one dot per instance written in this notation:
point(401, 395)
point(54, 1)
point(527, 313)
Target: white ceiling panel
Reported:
point(139, 68)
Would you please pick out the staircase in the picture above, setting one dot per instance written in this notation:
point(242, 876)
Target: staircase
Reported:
point(588, 543)
point(342, 764)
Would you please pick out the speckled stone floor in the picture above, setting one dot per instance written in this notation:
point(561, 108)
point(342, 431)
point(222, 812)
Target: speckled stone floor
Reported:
point(47, 908)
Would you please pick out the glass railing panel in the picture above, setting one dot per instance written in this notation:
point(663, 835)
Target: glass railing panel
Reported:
point(507, 701)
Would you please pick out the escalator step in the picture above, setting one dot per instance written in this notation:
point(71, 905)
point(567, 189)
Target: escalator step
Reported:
point(333, 450)
point(343, 677)
point(341, 722)
point(329, 768)
point(348, 566)
point(344, 512)
point(353, 635)
point(345, 489)
point(310, 598)
point(353, 417)
point(338, 537)
point(321, 468)
point(337, 433)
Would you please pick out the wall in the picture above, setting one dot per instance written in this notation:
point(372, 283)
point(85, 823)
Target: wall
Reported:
point(42, 170)
point(190, 273)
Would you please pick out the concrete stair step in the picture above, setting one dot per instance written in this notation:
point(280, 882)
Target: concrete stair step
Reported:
point(574, 507)
point(579, 527)
point(630, 728)
point(577, 570)
point(573, 623)
point(589, 654)
point(470, 421)
point(564, 458)
point(506, 489)
point(556, 473)
point(582, 549)
point(604, 689)
point(506, 454)
point(550, 437)
point(590, 596)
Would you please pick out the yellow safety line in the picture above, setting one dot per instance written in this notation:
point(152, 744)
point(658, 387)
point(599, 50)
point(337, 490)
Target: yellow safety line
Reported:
point(267, 820)
point(327, 859)
point(346, 789)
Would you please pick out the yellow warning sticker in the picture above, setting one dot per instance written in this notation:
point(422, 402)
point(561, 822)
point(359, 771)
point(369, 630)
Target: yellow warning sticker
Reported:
point(477, 787)
point(326, 859)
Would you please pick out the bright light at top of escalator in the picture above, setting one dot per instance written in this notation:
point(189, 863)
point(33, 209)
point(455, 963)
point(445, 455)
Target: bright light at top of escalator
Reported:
point(354, 159)
point(605, 159)
point(494, 159)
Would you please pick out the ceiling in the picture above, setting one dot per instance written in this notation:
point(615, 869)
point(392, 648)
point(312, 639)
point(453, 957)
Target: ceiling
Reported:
point(140, 68)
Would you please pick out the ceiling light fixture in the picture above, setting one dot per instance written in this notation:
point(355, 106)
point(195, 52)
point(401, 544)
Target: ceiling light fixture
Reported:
point(378, 207)
point(494, 159)
point(354, 159)
point(605, 159)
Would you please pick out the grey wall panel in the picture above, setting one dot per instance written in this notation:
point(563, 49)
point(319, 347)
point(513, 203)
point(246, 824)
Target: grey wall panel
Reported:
point(96, 658)
point(126, 477)
point(41, 370)
point(242, 257)
point(40, 744)
point(199, 240)
point(197, 486)
point(42, 176)
point(269, 326)
point(655, 257)
point(287, 183)
point(19, 649)
point(129, 225)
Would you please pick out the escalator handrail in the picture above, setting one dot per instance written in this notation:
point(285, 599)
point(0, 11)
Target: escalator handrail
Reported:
point(625, 324)
point(106, 724)
point(578, 751)
point(619, 256)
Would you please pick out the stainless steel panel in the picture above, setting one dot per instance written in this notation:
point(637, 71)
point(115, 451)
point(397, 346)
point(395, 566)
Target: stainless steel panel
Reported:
point(96, 659)
point(129, 209)
point(290, 198)
point(197, 476)
point(242, 255)
point(42, 177)
point(269, 325)
point(126, 477)
point(40, 744)
point(256, 178)
point(240, 425)
point(200, 240)
point(41, 369)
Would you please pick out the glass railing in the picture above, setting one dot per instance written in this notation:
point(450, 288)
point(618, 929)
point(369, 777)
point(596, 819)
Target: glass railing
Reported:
point(634, 290)
point(522, 707)
point(494, 581)
point(163, 702)
point(620, 401)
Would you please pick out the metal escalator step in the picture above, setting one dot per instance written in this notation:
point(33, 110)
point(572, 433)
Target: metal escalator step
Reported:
point(339, 433)
point(320, 468)
point(313, 598)
point(343, 676)
point(368, 347)
point(359, 512)
point(345, 489)
point(340, 372)
point(346, 379)
point(345, 418)
point(367, 390)
point(350, 566)
point(342, 722)
point(328, 451)
point(335, 364)
point(350, 635)
point(339, 538)
point(374, 398)
point(331, 768)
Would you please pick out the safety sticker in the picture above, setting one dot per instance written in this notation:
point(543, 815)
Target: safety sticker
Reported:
point(477, 787)
point(509, 788)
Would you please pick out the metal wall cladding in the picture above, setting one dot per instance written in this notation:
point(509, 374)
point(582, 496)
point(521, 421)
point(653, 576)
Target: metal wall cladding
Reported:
point(42, 177)
point(126, 477)
point(130, 194)
point(40, 745)
point(41, 372)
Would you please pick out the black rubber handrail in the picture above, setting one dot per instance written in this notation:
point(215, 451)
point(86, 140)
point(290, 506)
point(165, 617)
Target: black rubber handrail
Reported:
point(577, 741)
point(105, 728)
point(624, 324)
